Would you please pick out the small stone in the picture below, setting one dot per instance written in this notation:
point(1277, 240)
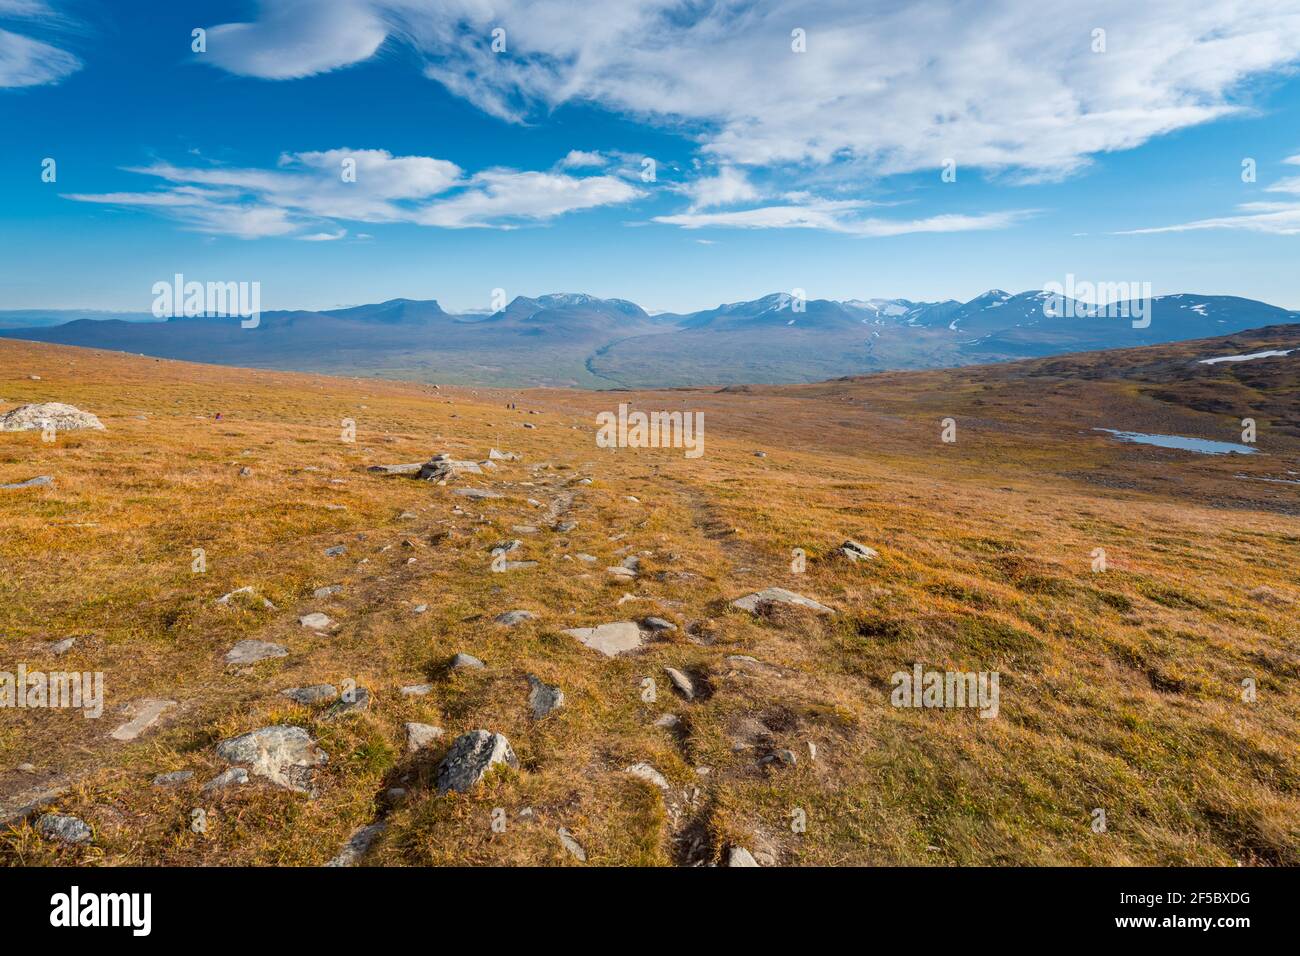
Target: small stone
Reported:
point(573, 846)
point(683, 683)
point(146, 713)
point(173, 779)
point(667, 721)
point(466, 660)
point(250, 652)
point(416, 690)
point(512, 618)
point(59, 648)
point(543, 698)
point(353, 701)
point(39, 481)
point(312, 694)
point(337, 551)
point(477, 494)
point(421, 735)
point(564, 527)
point(328, 590)
point(784, 757)
point(63, 828)
point(26, 768)
point(245, 472)
point(420, 608)
point(358, 845)
point(643, 771)
point(316, 621)
point(658, 624)
point(759, 599)
point(470, 757)
point(858, 552)
point(234, 777)
point(739, 856)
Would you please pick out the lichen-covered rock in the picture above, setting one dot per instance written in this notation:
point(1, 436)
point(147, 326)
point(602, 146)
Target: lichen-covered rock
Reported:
point(56, 415)
point(471, 756)
point(282, 754)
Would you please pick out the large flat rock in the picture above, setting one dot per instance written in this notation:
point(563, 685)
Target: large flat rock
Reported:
point(610, 639)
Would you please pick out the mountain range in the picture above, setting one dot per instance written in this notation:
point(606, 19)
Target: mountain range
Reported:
point(573, 339)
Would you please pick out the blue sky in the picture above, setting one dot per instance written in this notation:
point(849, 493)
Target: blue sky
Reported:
point(522, 169)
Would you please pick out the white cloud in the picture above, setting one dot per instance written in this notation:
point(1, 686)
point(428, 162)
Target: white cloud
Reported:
point(26, 61)
point(842, 216)
point(311, 190)
point(502, 197)
point(296, 38)
point(1010, 84)
point(581, 159)
point(725, 188)
point(1277, 218)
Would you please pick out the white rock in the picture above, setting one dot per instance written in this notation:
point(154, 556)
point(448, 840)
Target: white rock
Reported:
point(643, 771)
point(56, 415)
point(739, 856)
point(420, 735)
point(755, 602)
point(573, 846)
point(610, 639)
point(146, 714)
point(683, 683)
point(282, 754)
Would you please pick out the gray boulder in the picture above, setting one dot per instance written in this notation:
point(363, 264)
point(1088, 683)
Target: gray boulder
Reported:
point(471, 756)
point(754, 603)
point(282, 754)
point(63, 827)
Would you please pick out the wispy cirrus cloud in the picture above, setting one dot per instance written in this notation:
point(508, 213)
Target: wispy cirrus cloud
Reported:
point(842, 216)
point(25, 60)
point(317, 190)
point(1281, 218)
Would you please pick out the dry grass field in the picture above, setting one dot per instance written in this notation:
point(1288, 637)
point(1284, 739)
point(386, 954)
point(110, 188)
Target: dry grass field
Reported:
point(1120, 690)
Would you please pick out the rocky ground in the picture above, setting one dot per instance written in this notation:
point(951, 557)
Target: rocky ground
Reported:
point(353, 622)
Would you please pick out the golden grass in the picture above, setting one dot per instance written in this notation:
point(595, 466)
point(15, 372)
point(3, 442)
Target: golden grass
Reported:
point(1119, 690)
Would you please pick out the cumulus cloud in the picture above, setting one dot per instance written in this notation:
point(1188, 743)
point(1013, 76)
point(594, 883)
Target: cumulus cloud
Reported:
point(311, 190)
point(1005, 84)
point(25, 60)
point(581, 159)
point(726, 187)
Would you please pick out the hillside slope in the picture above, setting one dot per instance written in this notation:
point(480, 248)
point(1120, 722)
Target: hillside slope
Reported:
point(1120, 690)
